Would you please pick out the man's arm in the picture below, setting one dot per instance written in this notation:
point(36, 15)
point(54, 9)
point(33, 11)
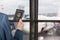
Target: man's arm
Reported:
point(18, 35)
point(19, 32)
point(8, 35)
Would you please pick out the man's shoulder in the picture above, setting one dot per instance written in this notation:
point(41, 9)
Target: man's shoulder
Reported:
point(2, 14)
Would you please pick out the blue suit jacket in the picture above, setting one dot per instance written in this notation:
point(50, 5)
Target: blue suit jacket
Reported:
point(5, 30)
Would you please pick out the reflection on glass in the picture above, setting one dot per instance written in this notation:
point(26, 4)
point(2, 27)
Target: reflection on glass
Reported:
point(49, 10)
point(48, 30)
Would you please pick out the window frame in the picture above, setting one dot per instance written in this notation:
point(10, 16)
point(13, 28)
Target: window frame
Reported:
point(33, 19)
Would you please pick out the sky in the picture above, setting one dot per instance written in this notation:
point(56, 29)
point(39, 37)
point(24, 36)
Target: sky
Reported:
point(49, 6)
point(44, 6)
point(9, 6)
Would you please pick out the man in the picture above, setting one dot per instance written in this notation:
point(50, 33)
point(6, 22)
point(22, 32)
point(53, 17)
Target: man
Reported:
point(5, 31)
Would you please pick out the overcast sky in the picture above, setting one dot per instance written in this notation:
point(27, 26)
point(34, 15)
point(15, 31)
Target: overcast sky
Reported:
point(10, 6)
point(49, 6)
point(45, 6)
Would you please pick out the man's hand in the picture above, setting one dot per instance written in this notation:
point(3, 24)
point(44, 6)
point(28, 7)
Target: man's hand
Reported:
point(20, 25)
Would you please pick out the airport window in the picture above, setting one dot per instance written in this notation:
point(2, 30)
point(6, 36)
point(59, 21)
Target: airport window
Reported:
point(13, 8)
point(48, 10)
point(48, 19)
point(41, 17)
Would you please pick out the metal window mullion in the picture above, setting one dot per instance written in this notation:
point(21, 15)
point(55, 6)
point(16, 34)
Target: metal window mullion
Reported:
point(48, 21)
point(32, 20)
point(36, 18)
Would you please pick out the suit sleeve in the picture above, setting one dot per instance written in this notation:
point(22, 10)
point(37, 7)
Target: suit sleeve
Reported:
point(7, 29)
point(18, 35)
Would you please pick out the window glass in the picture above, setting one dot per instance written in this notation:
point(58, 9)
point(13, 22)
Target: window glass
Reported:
point(48, 30)
point(26, 30)
point(48, 9)
point(9, 7)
